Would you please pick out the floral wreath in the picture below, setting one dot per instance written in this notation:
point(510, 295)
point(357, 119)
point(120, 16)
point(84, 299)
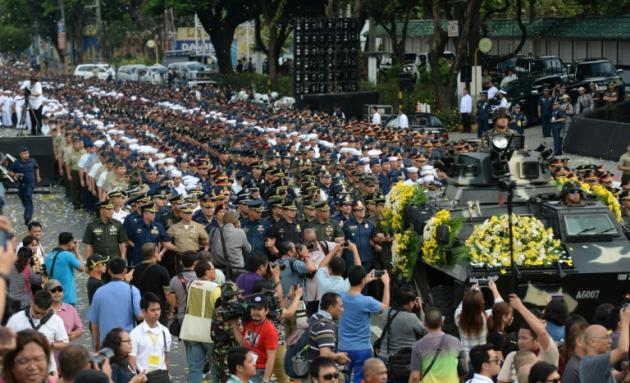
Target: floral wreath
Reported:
point(434, 252)
point(400, 196)
point(534, 245)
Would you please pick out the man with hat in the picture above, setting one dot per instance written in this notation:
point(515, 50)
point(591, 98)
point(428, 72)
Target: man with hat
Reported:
point(344, 213)
point(117, 197)
point(187, 234)
point(518, 120)
point(205, 215)
point(26, 171)
point(255, 226)
point(168, 217)
point(104, 235)
point(287, 229)
point(147, 230)
point(326, 228)
point(571, 194)
point(545, 108)
point(96, 267)
point(361, 232)
point(584, 102)
point(260, 336)
point(116, 179)
point(483, 113)
point(501, 120)
point(557, 124)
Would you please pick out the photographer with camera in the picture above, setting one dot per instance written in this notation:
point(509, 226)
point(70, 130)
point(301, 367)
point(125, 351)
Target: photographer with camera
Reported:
point(260, 336)
point(33, 101)
point(258, 267)
point(295, 265)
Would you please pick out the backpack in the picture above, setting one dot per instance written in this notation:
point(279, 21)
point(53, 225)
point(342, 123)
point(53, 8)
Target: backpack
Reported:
point(296, 357)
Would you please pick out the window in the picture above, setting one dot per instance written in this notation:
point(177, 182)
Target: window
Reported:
point(589, 224)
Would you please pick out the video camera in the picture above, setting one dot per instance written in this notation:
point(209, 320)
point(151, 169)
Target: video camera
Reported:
point(232, 306)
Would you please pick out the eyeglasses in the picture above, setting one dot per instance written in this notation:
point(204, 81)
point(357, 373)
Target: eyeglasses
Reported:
point(331, 376)
point(57, 290)
point(497, 361)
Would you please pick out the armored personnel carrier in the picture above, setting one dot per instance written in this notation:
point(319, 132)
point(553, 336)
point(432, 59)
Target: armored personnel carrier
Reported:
point(480, 185)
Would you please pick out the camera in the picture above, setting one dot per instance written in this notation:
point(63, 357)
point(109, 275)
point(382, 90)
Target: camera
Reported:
point(277, 263)
point(378, 273)
point(311, 245)
point(26, 92)
point(231, 310)
point(100, 357)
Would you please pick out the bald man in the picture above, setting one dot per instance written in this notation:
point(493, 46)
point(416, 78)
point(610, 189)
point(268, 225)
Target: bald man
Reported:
point(596, 366)
point(374, 371)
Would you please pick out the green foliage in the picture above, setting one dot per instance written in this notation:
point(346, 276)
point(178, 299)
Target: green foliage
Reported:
point(449, 117)
point(413, 251)
point(14, 40)
point(419, 198)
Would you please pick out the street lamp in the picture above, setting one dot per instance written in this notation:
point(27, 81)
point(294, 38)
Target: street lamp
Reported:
point(151, 45)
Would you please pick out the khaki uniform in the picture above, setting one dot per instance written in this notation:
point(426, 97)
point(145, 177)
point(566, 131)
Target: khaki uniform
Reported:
point(188, 237)
point(112, 181)
point(105, 237)
point(72, 160)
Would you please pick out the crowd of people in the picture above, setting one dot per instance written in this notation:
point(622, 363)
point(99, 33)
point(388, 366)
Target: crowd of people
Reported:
point(254, 237)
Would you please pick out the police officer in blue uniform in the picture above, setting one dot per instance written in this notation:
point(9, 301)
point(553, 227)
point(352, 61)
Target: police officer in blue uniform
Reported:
point(484, 113)
point(205, 215)
point(545, 109)
point(254, 226)
point(360, 231)
point(344, 213)
point(26, 171)
point(519, 120)
point(147, 230)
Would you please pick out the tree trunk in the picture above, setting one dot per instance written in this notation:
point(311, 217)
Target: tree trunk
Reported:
point(273, 52)
point(222, 41)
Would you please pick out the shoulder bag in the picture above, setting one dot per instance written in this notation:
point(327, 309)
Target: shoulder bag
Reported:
point(159, 376)
point(192, 323)
point(437, 352)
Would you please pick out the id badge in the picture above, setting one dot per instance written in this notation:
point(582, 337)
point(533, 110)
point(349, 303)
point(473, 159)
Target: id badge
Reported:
point(154, 361)
point(519, 123)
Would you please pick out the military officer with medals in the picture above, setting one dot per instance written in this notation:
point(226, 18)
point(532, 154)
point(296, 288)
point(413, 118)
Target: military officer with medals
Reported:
point(104, 235)
point(287, 229)
point(325, 228)
point(147, 230)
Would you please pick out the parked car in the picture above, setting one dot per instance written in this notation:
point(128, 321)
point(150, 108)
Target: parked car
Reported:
point(191, 71)
point(527, 91)
point(131, 72)
point(155, 74)
point(416, 63)
point(528, 66)
point(108, 68)
point(89, 70)
point(417, 121)
point(601, 71)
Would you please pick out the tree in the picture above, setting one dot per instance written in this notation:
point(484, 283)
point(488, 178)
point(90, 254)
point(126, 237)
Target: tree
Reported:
point(391, 16)
point(219, 19)
point(446, 97)
point(14, 40)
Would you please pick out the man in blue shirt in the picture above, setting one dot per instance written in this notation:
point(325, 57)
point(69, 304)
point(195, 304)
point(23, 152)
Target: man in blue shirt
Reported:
point(147, 230)
point(361, 232)
point(354, 323)
point(61, 263)
point(26, 171)
point(117, 294)
point(297, 265)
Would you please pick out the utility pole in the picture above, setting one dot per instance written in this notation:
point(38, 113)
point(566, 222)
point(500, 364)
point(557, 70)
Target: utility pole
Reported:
point(65, 47)
point(99, 31)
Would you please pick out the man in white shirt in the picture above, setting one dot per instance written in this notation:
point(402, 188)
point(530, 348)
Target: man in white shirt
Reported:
point(465, 109)
point(403, 121)
point(485, 362)
point(150, 340)
point(36, 101)
point(41, 318)
point(376, 117)
point(492, 90)
point(509, 77)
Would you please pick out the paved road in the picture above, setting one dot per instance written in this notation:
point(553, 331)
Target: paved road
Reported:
point(56, 215)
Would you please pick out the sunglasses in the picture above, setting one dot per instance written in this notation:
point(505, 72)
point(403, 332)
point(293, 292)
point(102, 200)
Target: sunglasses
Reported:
point(57, 290)
point(331, 376)
point(572, 191)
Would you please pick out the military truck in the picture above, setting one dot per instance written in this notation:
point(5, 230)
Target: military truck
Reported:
point(590, 234)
